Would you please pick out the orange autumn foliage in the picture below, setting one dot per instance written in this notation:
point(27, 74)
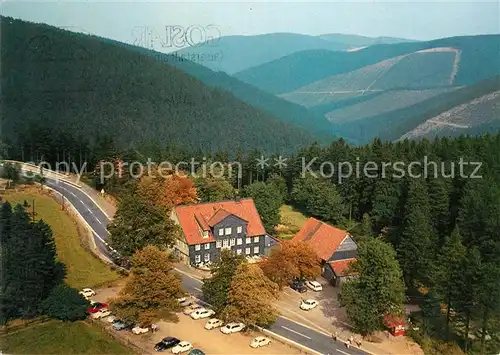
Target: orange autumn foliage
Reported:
point(168, 190)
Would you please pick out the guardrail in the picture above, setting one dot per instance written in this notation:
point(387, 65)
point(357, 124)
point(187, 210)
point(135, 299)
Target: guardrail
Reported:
point(36, 169)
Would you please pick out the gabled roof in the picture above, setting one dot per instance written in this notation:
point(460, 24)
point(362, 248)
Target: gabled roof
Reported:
point(340, 267)
point(324, 238)
point(193, 217)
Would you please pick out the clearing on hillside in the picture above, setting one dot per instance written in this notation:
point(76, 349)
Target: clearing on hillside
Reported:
point(291, 222)
point(436, 67)
point(82, 268)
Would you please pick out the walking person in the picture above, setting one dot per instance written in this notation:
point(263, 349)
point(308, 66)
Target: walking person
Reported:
point(335, 336)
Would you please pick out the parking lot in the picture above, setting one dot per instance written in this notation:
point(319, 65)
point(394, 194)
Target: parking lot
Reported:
point(327, 317)
point(209, 341)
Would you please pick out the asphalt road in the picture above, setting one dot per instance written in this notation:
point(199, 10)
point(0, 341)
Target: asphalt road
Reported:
point(98, 221)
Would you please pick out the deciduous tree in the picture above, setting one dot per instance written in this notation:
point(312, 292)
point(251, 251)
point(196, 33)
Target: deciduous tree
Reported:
point(250, 297)
point(268, 200)
point(138, 223)
point(151, 292)
point(289, 260)
point(216, 288)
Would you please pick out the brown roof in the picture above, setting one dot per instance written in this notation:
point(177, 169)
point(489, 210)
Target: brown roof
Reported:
point(189, 217)
point(340, 267)
point(324, 238)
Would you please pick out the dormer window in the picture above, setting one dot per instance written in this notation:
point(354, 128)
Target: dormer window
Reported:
point(205, 234)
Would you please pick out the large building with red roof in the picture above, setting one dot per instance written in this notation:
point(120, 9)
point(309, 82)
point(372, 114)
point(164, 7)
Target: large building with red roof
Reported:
point(335, 247)
point(207, 228)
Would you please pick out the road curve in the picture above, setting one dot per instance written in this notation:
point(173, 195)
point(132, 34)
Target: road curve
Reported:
point(98, 221)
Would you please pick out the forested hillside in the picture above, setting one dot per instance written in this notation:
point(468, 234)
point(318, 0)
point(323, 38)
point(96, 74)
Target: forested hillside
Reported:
point(59, 85)
point(283, 109)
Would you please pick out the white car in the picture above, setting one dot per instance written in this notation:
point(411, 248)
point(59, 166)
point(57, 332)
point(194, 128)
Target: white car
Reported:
point(308, 304)
point(139, 330)
point(314, 285)
point(192, 308)
point(87, 292)
point(183, 346)
point(213, 323)
point(111, 319)
point(202, 313)
point(101, 313)
point(260, 341)
point(232, 328)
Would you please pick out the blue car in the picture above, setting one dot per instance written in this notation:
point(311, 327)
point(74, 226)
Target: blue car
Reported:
point(119, 325)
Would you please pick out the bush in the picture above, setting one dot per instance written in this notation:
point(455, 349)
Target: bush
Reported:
point(65, 303)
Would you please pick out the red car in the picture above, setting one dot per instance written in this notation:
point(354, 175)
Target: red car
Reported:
point(96, 306)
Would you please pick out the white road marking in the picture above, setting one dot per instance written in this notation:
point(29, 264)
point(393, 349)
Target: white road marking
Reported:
point(343, 352)
point(293, 331)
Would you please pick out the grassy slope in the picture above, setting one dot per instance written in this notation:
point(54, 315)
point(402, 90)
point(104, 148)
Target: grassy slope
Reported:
point(57, 337)
point(291, 222)
point(83, 269)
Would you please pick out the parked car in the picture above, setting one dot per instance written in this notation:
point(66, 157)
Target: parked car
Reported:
point(186, 301)
point(192, 308)
point(213, 323)
point(166, 343)
point(87, 292)
point(103, 312)
point(196, 352)
point(260, 341)
point(96, 306)
point(306, 305)
point(298, 286)
point(139, 330)
point(120, 325)
point(232, 328)
point(314, 285)
point(202, 313)
point(111, 319)
point(182, 347)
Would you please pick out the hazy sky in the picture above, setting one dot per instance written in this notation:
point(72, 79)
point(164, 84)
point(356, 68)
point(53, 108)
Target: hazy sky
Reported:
point(408, 19)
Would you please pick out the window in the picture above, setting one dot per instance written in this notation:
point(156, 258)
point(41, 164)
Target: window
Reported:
point(206, 257)
point(239, 229)
point(228, 230)
point(247, 251)
point(248, 240)
point(218, 244)
point(197, 247)
point(205, 234)
point(197, 258)
point(207, 246)
point(256, 239)
point(238, 251)
point(225, 243)
point(221, 231)
point(239, 241)
point(232, 241)
point(256, 250)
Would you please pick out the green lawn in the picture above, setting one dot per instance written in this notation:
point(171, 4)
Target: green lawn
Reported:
point(83, 269)
point(56, 337)
point(291, 222)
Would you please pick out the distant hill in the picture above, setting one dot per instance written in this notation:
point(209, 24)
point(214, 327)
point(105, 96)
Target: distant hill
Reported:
point(479, 58)
point(232, 54)
point(399, 119)
point(86, 87)
point(355, 41)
